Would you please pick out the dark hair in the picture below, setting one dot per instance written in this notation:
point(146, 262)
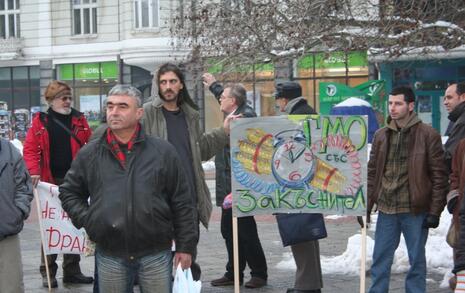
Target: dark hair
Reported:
point(183, 96)
point(460, 88)
point(409, 95)
point(238, 92)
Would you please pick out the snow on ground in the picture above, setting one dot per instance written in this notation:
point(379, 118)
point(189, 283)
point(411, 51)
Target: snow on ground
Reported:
point(334, 217)
point(208, 165)
point(438, 254)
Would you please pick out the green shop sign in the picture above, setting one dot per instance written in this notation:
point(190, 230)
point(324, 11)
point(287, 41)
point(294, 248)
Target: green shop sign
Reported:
point(88, 71)
point(215, 67)
point(332, 93)
point(333, 60)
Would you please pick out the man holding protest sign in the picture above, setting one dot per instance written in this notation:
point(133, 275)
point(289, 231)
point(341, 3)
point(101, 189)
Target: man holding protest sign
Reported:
point(407, 180)
point(51, 144)
point(139, 202)
point(233, 101)
point(15, 201)
point(308, 276)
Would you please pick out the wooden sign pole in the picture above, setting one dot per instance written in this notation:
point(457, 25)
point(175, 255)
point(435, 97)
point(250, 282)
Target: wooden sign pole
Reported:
point(363, 256)
point(39, 216)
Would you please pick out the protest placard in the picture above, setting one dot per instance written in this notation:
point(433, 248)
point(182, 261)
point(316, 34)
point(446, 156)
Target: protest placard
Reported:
point(299, 163)
point(59, 236)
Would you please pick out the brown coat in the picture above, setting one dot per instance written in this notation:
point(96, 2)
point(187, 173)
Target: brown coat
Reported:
point(427, 171)
point(457, 176)
point(457, 186)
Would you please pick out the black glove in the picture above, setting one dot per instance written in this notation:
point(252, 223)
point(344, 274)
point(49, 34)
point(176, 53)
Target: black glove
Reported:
point(451, 204)
point(431, 221)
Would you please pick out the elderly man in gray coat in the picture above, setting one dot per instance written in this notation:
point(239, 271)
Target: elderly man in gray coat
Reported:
point(15, 205)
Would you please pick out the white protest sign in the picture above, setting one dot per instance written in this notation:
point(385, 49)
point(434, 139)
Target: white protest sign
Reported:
point(58, 233)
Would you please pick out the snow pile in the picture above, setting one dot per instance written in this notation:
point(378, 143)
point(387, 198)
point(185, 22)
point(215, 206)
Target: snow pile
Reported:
point(353, 102)
point(334, 217)
point(349, 261)
point(438, 254)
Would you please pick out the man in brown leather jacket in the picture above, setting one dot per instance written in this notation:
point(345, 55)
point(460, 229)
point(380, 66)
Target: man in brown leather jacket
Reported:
point(407, 180)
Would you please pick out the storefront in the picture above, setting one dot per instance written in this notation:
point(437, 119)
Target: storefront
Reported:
point(91, 83)
point(257, 79)
point(19, 87)
point(349, 68)
point(430, 79)
point(19, 97)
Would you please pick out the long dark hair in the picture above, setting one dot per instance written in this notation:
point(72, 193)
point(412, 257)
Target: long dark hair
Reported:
point(183, 96)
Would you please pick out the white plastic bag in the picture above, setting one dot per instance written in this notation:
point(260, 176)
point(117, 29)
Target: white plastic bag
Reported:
point(184, 283)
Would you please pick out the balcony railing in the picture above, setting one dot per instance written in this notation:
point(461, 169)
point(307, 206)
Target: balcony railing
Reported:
point(10, 48)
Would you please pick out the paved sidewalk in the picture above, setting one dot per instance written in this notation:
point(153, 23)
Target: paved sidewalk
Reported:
point(212, 258)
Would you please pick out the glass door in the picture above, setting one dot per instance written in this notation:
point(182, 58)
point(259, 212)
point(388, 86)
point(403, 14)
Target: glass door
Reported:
point(431, 110)
point(424, 108)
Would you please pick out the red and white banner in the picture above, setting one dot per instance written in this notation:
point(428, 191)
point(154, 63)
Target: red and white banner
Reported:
point(59, 236)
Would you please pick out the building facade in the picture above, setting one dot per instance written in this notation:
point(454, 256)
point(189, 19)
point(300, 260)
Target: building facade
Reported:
point(429, 76)
point(90, 44)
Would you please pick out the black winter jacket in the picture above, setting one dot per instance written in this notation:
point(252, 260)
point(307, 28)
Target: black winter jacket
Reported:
point(133, 211)
point(302, 107)
point(223, 158)
point(455, 133)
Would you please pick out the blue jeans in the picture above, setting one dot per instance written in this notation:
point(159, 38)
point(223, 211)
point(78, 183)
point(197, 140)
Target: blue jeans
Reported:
point(387, 237)
point(116, 275)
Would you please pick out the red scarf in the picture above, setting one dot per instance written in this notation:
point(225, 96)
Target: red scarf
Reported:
point(115, 145)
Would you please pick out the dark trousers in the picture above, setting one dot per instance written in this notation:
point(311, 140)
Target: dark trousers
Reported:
point(95, 289)
point(195, 267)
point(250, 248)
point(308, 275)
point(70, 264)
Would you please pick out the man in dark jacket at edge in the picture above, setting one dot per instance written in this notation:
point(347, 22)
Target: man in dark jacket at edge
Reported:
point(308, 276)
point(457, 187)
point(233, 101)
point(407, 180)
point(139, 201)
point(454, 98)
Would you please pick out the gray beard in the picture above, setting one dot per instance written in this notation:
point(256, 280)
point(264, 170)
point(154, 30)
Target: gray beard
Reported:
point(63, 111)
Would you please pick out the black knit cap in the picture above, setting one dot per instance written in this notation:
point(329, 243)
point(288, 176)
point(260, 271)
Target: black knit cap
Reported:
point(288, 90)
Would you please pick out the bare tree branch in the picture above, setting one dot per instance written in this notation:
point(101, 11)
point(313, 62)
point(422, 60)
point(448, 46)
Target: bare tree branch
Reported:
point(253, 31)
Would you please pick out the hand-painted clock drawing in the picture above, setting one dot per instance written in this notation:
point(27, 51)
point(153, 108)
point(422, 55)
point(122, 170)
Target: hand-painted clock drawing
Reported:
point(293, 163)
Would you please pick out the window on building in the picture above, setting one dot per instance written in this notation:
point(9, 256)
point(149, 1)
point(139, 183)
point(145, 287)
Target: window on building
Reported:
point(9, 19)
point(84, 17)
point(145, 13)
